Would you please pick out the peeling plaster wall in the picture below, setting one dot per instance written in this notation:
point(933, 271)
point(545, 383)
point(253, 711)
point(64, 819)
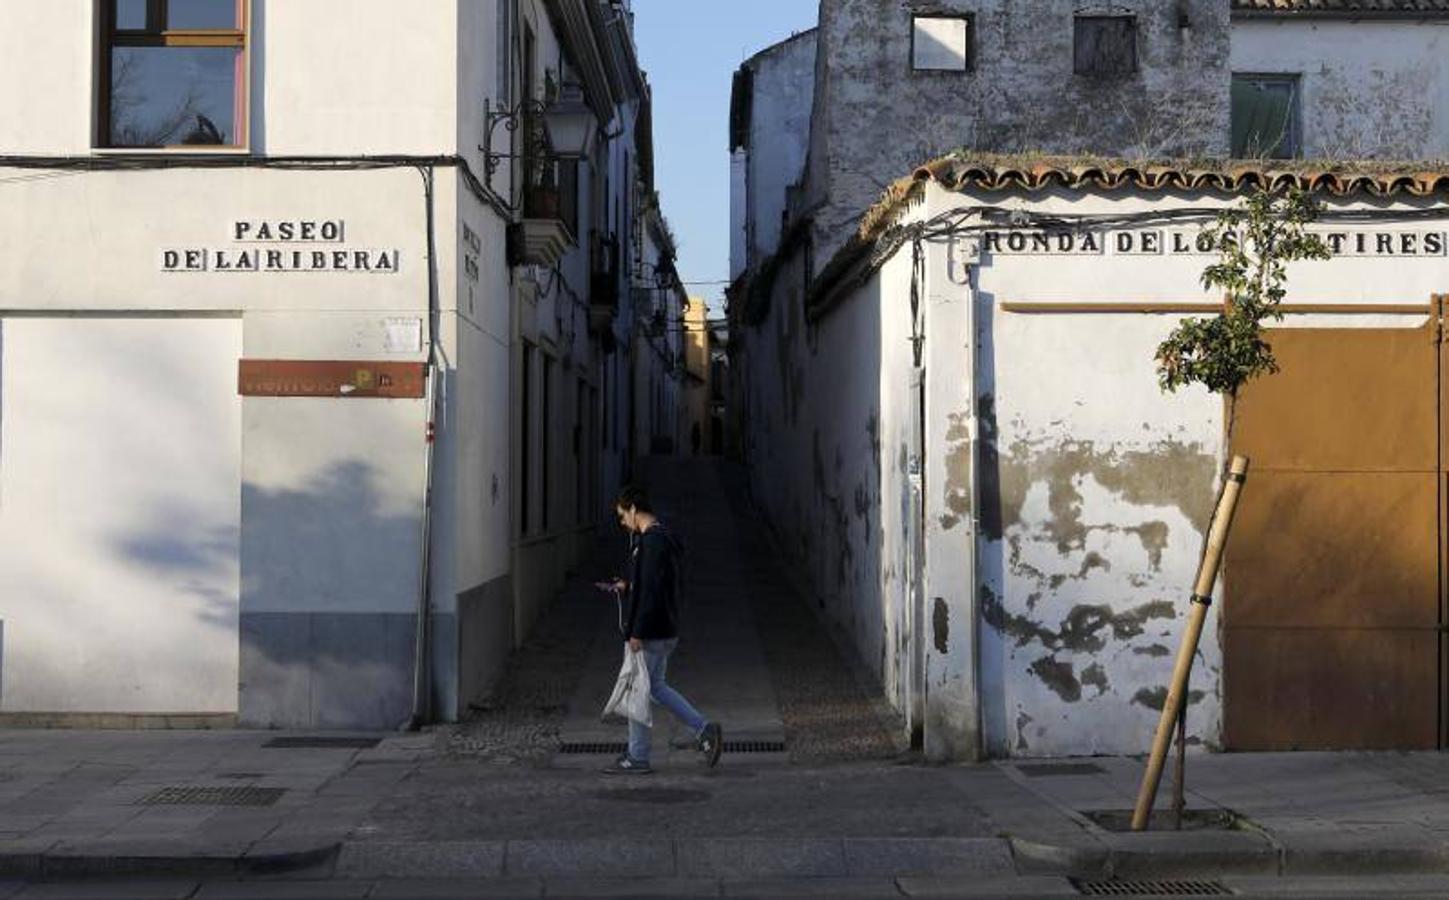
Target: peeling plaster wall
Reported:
point(1370, 89)
point(1021, 95)
point(1096, 488)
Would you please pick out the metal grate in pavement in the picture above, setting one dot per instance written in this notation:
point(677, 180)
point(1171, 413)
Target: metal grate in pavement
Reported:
point(212, 796)
point(588, 747)
point(1042, 770)
point(1151, 888)
point(322, 743)
point(616, 747)
point(754, 746)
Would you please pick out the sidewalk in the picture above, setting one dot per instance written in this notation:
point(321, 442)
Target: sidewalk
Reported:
point(840, 807)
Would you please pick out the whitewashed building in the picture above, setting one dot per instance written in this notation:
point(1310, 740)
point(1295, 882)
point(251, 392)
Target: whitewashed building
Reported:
point(315, 375)
point(956, 431)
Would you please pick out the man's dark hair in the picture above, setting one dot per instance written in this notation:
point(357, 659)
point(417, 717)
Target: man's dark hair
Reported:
point(633, 496)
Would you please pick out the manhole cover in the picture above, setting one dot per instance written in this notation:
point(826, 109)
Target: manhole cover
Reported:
point(1162, 819)
point(322, 743)
point(1151, 888)
point(660, 796)
point(212, 796)
point(1043, 770)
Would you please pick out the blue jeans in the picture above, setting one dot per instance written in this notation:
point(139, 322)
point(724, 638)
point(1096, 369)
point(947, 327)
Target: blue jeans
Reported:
point(656, 657)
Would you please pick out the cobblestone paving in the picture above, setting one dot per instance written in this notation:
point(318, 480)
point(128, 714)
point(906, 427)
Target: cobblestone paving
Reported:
point(832, 712)
point(519, 722)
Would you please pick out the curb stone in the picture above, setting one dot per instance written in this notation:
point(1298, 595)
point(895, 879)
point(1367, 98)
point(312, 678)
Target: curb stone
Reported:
point(82, 862)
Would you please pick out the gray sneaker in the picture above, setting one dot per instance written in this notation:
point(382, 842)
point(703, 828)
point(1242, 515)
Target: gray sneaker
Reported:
point(626, 766)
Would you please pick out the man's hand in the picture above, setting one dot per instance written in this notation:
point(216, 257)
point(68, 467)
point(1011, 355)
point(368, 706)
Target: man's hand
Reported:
point(635, 645)
point(614, 586)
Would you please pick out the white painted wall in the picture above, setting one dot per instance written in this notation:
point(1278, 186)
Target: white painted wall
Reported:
point(359, 77)
point(1084, 488)
point(1097, 486)
point(119, 514)
point(328, 77)
point(46, 48)
point(784, 93)
point(739, 187)
point(1371, 89)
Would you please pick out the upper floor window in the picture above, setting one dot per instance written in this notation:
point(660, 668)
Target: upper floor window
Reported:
point(1265, 115)
point(1104, 45)
point(940, 43)
point(173, 73)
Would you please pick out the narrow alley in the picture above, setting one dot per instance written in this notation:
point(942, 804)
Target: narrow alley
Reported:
point(752, 655)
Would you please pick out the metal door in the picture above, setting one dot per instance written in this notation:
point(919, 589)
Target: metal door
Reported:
point(1333, 601)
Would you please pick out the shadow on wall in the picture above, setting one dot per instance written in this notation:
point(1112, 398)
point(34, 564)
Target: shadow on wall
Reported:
point(327, 604)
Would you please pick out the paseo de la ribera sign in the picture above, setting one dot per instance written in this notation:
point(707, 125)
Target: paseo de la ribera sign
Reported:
point(1406, 243)
point(286, 245)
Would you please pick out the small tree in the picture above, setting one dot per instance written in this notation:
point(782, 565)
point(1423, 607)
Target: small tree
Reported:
point(1256, 242)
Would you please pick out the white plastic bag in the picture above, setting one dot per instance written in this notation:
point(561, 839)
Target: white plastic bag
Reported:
point(631, 691)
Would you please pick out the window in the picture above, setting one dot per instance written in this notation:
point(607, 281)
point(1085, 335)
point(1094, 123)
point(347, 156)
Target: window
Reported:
point(173, 72)
point(1105, 45)
point(1265, 117)
point(941, 43)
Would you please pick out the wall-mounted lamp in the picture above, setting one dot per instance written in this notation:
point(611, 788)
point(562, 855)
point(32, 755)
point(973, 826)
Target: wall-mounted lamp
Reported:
point(569, 126)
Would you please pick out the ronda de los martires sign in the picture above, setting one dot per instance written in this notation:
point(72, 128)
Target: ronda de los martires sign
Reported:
point(1196, 242)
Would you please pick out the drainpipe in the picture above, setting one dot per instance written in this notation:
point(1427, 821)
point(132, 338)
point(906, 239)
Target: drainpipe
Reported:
point(422, 686)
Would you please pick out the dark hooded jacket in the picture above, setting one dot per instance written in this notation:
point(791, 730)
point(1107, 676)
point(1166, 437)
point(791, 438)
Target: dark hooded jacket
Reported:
point(654, 586)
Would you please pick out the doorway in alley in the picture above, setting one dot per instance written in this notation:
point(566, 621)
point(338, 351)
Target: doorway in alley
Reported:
point(1334, 583)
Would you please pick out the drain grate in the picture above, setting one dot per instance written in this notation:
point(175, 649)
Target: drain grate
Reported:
point(1151, 888)
point(586, 747)
point(617, 747)
point(322, 743)
point(212, 796)
point(1043, 770)
point(754, 746)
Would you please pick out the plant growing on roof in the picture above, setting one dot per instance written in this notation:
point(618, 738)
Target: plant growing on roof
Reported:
point(1256, 241)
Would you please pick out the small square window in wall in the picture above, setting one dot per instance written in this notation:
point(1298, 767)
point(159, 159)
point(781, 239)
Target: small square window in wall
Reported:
point(1105, 45)
point(941, 43)
point(173, 73)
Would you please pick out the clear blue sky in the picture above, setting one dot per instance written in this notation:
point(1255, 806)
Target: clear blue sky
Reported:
point(691, 50)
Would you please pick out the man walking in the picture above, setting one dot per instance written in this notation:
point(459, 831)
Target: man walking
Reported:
point(651, 626)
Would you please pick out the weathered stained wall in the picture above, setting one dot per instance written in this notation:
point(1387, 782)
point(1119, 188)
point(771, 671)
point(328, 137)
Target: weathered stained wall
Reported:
point(784, 87)
point(1370, 89)
point(1095, 487)
point(828, 447)
point(1021, 94)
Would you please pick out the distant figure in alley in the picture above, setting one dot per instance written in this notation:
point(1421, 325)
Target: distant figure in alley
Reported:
point(650, 624)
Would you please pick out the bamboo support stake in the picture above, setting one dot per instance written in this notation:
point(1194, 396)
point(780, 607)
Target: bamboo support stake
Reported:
point(1207, 576)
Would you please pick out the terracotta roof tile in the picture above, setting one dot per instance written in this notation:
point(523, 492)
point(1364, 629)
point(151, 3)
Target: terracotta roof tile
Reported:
point(1366, 8)
point(1037, 173)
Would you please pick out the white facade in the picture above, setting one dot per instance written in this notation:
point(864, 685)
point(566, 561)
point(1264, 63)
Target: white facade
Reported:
point(1368, 88)
point(246, 553)
point(944, 471)
point(1064, 495)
